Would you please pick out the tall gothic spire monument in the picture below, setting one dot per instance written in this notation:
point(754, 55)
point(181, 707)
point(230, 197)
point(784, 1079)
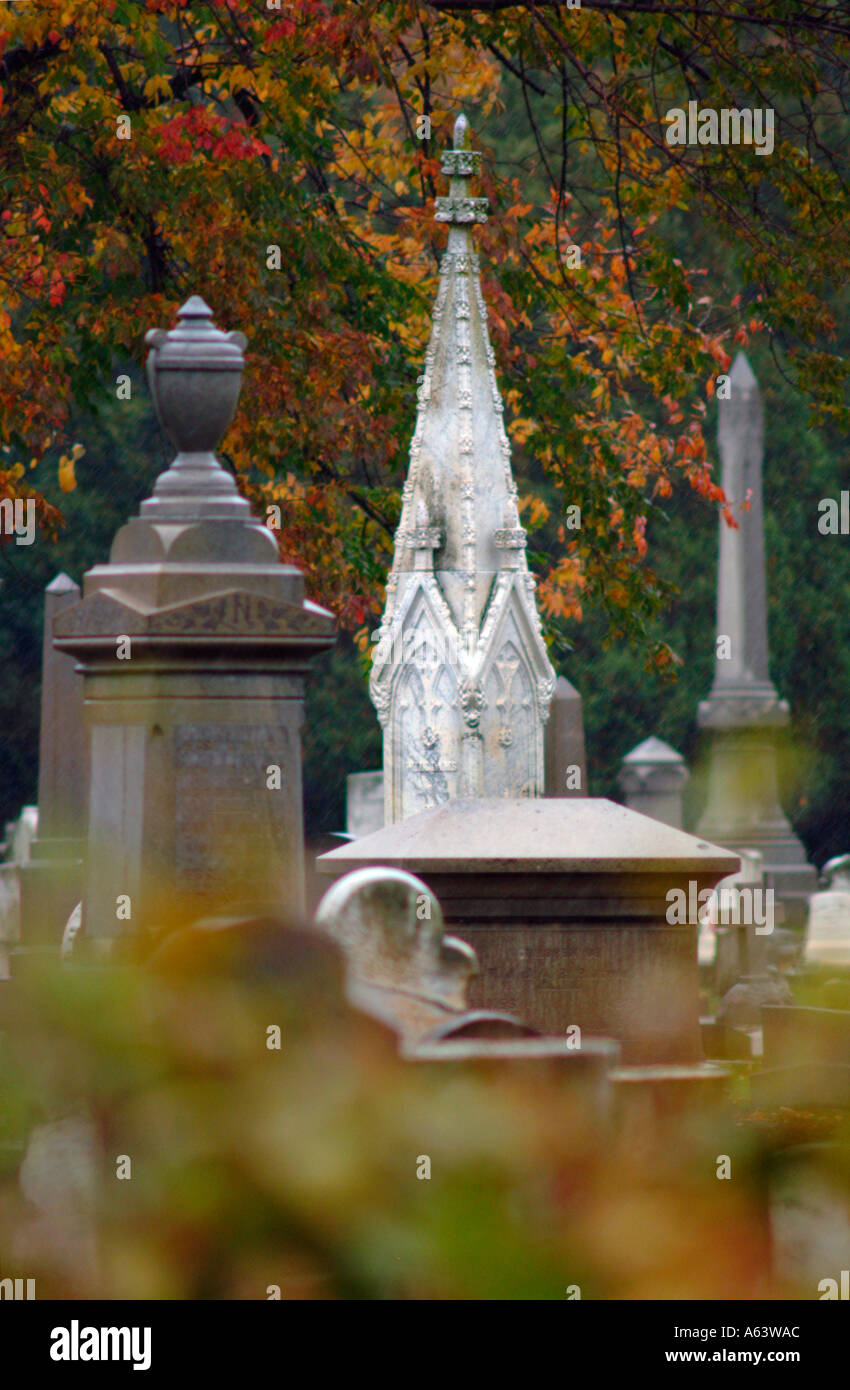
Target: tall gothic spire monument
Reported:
point(460, 679)
point(743, 713)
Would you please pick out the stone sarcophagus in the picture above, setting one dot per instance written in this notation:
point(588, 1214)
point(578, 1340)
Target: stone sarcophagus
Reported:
point(581, 913)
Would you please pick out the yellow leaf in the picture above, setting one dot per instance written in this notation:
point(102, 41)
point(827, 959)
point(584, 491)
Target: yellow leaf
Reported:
point(67, 480)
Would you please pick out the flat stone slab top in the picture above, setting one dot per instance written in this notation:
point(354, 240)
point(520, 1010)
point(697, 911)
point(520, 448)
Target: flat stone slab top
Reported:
point(580, 835)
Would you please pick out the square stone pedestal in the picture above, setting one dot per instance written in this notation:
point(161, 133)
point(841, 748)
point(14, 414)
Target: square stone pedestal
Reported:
point(565, 902)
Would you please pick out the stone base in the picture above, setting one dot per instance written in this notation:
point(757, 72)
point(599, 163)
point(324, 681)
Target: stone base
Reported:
point(742, 808)
point(50, 890)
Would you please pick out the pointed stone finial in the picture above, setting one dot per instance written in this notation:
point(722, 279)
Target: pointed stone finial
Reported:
point(474, 725)
point(742, 377)
point(459, 164)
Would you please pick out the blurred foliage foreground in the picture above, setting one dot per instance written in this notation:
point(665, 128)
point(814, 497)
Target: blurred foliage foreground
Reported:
point(254, 1168)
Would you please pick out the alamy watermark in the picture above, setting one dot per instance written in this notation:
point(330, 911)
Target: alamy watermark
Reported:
point(17, 518)
point(427, 650)
point(729, 126)
point(724, 907)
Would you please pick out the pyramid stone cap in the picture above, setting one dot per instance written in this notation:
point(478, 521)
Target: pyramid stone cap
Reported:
point(653, 750)
point(525, 835)
point(62, 584)
point(565, 690)
point(742, 377)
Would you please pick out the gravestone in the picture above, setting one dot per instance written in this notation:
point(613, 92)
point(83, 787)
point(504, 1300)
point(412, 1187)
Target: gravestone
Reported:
point(806, 1058)
point(725, 944)
point(401, 968)
point(743, 715)
point(565, 903)
point(51, 879)
point(563, 743)
point(828, 930)
point(653, 778)
point(582, 1075)
point(364, 802)
point(20, 835)
point(809, 1215)
point(195, 642)
point(10, 916)
point(460, 680)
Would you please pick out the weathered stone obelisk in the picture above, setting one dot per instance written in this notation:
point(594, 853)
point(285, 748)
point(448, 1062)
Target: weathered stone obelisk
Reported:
point(194, 642)
point(743, 712)
point(460, 680)
point(51, 879)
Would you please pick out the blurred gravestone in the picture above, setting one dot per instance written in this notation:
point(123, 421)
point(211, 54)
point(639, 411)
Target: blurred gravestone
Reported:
point(364, 794)
point(653, 778)
point(51, 880)
point(743, 714)
point(563, 743)
point(401, 968)
point(195, 643)
point(809, 1213)
point(828, 930)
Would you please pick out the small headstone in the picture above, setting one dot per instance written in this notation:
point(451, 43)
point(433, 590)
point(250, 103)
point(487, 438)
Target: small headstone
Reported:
point(724, 1043)
point(563, 743)
point(364, 803)
point(52, 880)
point(58, 1178)
point(24, 831)
point(809, 1212)
point(741, 1005)
point(828, 931)
point(806, 1058)
point(401, 968)
point(653, 778)
point(63, 754)
point(725, 941)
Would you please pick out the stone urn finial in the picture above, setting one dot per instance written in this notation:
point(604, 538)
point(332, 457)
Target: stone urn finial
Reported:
point(195, 373)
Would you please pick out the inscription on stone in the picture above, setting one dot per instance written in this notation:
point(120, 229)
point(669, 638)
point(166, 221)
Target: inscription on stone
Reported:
point(223, 806)
point(244, 614)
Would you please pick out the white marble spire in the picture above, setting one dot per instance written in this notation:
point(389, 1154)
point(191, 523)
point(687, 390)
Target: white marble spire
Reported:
point(461, 680)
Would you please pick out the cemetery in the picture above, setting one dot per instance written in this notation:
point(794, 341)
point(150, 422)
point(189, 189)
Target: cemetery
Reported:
point(513, 1030)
